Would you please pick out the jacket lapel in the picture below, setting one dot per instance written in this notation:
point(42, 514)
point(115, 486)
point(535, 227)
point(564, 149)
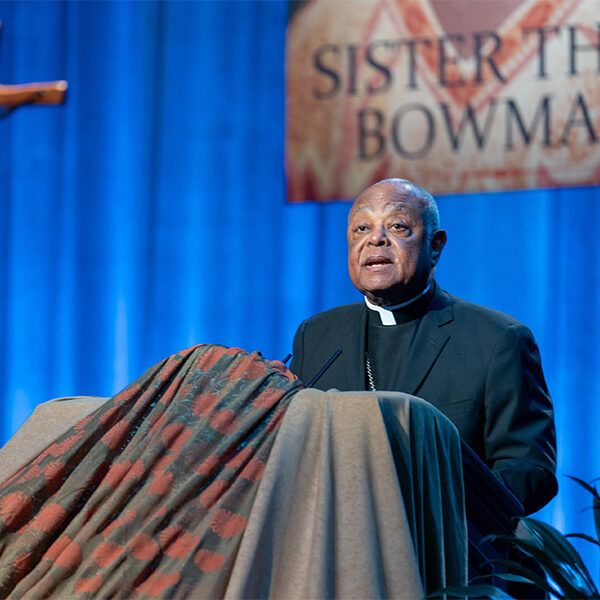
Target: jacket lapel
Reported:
point(429, 341)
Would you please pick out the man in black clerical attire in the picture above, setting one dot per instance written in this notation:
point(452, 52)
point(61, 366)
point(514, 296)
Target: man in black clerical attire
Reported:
point(478, 366)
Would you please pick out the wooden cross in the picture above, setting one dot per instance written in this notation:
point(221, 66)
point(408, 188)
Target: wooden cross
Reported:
point(47, 92)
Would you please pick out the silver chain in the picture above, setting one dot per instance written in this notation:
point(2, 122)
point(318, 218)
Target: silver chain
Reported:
point(370, 373)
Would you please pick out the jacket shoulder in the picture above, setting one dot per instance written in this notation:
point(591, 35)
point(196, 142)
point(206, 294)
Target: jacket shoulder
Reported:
point(482, 315)
point(334, 316)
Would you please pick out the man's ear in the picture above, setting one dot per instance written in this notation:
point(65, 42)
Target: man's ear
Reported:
point(438, 241)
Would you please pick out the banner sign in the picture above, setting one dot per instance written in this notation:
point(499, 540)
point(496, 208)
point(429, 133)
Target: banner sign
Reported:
point(456, 95)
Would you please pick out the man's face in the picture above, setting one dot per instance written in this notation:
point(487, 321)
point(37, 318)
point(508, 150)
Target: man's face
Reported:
point(390, 259)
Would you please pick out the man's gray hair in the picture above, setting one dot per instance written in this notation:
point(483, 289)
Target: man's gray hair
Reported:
point(431, 214)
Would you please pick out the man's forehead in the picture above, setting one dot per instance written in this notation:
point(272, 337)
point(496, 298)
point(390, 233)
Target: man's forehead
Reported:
point(388, 202)
point(393, 192)
point(386, 206)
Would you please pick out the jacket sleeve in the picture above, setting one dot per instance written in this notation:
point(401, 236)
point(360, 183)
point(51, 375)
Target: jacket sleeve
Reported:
point(520, 438)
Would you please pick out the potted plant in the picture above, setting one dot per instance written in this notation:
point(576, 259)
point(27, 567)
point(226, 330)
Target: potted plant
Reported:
point(566, 575)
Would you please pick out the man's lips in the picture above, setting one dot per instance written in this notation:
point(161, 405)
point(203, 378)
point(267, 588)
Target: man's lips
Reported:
point(377, 262)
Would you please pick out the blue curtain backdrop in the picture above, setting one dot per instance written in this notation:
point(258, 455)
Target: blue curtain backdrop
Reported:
point(148, 214)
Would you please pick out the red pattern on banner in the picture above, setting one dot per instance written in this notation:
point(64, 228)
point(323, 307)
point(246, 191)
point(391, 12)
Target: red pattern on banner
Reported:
point(539, 14)
point(327, 137)
point(508, 60)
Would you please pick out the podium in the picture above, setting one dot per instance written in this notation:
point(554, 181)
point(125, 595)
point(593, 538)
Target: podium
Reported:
point(361, 496)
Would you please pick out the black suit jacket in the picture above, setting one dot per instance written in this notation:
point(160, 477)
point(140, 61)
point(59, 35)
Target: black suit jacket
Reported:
point(478, 366)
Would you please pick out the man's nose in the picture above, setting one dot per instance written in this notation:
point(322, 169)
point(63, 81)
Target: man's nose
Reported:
point(378, 236)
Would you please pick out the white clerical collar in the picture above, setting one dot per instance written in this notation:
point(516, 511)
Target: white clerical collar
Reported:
point(386, 314)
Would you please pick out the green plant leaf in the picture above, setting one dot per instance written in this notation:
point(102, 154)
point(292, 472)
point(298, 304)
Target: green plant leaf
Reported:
point(595, 502)
point(583, 536)
point(553, 552)
point(597, 516)
point(553, 541)
point(472, 591)
point(508, 577)
point(566, 576)
point(584, 484)
point(566, 559)
point(517, 568)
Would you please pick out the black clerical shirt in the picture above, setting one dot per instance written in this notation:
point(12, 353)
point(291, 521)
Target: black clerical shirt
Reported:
point(388, 345)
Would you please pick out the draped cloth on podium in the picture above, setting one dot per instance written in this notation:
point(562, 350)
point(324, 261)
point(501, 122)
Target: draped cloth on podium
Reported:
point(213, 475)
point(362, 492)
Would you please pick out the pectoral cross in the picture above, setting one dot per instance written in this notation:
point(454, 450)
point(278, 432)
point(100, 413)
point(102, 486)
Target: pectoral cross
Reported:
point(47, 92)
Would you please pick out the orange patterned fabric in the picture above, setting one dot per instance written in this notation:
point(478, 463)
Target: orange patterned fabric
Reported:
point(149, 496)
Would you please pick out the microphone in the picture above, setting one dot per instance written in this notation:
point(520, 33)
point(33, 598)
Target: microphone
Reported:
point(324, 367)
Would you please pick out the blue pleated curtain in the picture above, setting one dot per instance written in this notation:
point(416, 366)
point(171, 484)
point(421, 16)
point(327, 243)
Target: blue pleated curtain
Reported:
point(148, 214)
